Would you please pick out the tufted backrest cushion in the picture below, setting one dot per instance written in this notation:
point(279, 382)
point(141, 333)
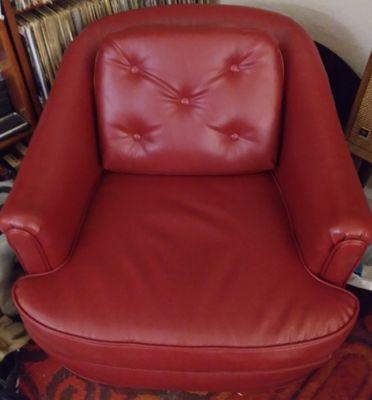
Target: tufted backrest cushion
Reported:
point(188, 100)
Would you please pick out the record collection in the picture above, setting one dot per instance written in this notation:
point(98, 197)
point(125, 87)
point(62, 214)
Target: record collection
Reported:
point(48, 27)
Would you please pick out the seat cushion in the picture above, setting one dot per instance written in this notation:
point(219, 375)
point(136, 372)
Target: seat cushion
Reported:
point(197, 277)
point(188, 100)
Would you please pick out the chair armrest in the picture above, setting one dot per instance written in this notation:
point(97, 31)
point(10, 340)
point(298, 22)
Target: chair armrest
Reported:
point(45, 209)
point(329, 213)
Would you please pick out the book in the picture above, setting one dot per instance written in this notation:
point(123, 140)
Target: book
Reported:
point(39, 75)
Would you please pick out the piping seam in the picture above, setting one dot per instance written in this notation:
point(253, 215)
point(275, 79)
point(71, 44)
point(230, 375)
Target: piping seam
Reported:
point(35, 242)
point(327, 263)
point(278, 347)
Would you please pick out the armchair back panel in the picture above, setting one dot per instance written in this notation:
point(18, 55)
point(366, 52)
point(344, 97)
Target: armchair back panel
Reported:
point(211, 96)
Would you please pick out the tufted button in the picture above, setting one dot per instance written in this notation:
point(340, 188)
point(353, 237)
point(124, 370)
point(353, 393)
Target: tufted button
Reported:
point(134, 69)
point(137, 137)
point(185, 101)
point(234, 136)
point(234, 68)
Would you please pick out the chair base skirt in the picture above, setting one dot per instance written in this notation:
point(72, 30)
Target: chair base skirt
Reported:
point(139, 366)
point(223, 381)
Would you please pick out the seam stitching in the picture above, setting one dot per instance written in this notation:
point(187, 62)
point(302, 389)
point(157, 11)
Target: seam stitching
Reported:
point(299, 251)
point(334, 251)
point(20, 259)
point(35, 241)
point(282, 346)
point(80, 225)
point(75, 239)
point(306, 365)
point(290, 220)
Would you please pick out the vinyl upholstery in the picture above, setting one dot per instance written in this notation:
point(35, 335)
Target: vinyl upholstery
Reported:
point(165, 253)
point(212, 276)
point(189, 128)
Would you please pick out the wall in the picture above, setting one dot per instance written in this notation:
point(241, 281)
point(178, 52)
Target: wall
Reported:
point(345, 26)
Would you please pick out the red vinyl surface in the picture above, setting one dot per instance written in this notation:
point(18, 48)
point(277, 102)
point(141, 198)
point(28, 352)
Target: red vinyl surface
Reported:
point(223, 282)
point(207, 236)
point(189, 128)
point(348, 375)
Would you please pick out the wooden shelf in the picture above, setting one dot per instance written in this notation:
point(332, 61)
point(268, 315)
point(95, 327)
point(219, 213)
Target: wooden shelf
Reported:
point(14, 139)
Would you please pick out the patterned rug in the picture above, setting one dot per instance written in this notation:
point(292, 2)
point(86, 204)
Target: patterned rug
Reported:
point(348, 376)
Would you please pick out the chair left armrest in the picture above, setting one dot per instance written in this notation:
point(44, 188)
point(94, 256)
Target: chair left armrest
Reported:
point(46, 207)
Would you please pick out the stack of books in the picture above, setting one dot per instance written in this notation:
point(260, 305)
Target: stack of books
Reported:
point(49, 29)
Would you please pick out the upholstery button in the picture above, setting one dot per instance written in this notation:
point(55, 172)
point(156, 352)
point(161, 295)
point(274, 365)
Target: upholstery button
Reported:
point(137, 137)
point(234, 136)
point(185, 101)
point(234, 68)
point(134, 69)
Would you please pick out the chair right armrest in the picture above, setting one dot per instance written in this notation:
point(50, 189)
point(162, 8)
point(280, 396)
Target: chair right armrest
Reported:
point(328, 210)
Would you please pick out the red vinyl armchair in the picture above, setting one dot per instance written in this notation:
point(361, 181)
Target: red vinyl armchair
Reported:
point(188, 211)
